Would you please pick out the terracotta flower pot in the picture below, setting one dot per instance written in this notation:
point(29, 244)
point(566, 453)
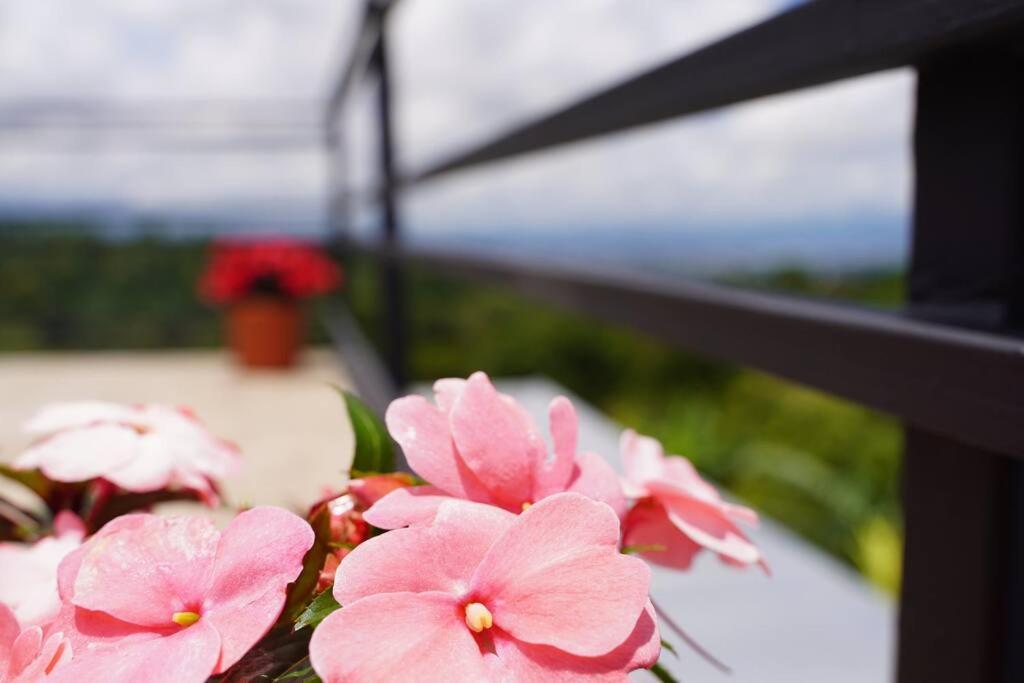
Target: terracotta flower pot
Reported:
point(265, 331)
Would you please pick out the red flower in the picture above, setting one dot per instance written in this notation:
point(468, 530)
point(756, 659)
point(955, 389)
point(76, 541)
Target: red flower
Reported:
point(277, 266)
point(347, 530)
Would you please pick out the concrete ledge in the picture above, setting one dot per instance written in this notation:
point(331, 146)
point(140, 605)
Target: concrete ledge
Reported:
point(291, 426)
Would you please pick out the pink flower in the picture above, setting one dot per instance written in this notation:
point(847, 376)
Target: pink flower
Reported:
point(173, 599)
point(28, 573)
point(136, 447)
point(24, 656)
point(484, 595)
point(479, 445)
point(677, 513)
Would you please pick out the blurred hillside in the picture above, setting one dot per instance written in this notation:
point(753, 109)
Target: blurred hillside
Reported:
point(63, 287)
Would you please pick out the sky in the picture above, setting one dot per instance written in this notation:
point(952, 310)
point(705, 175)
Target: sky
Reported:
point(188, 55)
point(824, 159)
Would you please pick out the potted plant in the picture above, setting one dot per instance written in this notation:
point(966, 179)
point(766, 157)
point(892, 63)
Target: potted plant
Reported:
point(262, 283)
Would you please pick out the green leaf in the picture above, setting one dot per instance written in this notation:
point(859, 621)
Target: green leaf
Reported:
point(299, 672)
point(649, 548)
point(317, 610)
point(670, 647)
point(33, 480)
point(661, 674)
point(17, 524)
point(300, 590)
point(374, 452)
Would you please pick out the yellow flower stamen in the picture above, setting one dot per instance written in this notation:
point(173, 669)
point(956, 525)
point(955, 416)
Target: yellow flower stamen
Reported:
point(478, 617)
point(527, 505)
point(185, 618)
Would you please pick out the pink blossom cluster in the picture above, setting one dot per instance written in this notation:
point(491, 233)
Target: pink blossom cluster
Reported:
point(515, 561)
point(139, 448)
point(476, 444)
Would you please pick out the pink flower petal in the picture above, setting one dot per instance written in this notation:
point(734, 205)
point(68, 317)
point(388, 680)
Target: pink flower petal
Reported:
point(145, 574)
point(397, 637)
point(526, 663)
point(149, 470)
point(188, 443)
point(423, 433)
point(642, 459)
point(441, 557)
point(55, 652)
point(647, 524)
point(446, 391)
point(556, 578)
point(594, 478)
point(26, 648)
point(552, 474)
point(139, 447)
point(67, 523)
point(68, 568)
point(681, 476)
point(686, 502)
point(709, 525)
point(741, 513)
point(200, 485)
point(57, 417)
point(416, 505)
point(241, 628)
point(28, 575)
point(87, 630)
point(260, 552)
point(236, 581)
point(81, 454)
point(9, 631)
point(190, 654)
point(496, 442)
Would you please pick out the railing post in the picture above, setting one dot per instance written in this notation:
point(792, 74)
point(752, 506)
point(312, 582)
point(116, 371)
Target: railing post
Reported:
point(962, 605)
point(392, 277)
point(337, 209)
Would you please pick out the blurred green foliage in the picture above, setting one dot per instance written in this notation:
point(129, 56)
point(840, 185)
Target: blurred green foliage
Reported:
point(826, 468)
point(64, 288)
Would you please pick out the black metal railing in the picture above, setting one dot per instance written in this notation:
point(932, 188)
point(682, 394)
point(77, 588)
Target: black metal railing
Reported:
point(951, 365)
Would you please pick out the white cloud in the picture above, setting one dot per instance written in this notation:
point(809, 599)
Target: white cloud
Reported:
point(160, 49)
point(465, 70)
point(170, 59)
point(834, 150)
point(841, 150)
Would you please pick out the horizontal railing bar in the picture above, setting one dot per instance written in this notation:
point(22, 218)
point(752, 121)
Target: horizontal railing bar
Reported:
point(962, 384)
point(814, 44)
